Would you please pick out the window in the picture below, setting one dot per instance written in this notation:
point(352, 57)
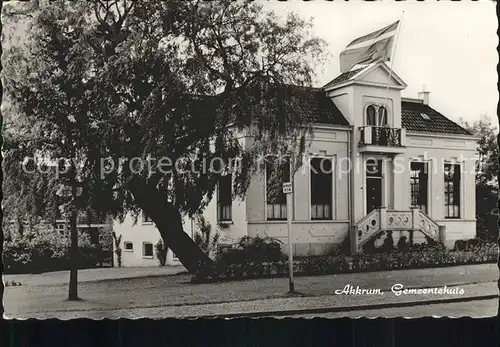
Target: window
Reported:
point(376, 116)
point(224, 198)
point(373, 168)
point(128, 246)
point(418, 185)
point(321, 188)
point(425, 116)
point(276, 175)
point(147, 250)
point(61, 227)
point(371, 116)
point(382, 116)
point(451, 191)
point(146, 219)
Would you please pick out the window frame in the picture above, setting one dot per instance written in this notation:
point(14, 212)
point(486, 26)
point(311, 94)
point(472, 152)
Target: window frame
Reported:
point(221, 217)
point(146, 219)
point(423, 174)
point(378, 116)
point(283, 208)
point(62, 230)
point(454, 191)
point(144, 250)
point(125, 249)
point(331, 190)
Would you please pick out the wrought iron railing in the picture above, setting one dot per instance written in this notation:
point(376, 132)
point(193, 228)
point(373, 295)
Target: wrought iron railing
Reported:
point(381, 136)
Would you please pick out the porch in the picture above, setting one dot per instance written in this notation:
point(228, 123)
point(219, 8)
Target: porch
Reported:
point(382, 219)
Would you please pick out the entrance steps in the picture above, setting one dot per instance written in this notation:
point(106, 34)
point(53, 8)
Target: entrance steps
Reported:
point(383, 219)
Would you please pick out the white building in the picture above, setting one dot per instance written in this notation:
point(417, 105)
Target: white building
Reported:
point(413, 169)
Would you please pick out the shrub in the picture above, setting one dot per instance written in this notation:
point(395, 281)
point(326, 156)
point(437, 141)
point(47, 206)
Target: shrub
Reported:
point(161, 252)
point(118, 249)
point(476, 245)
point(417, 256)
point(252, 249)
point(388, 245)
point(402, 244)
point(43, 249)
point(204, 238)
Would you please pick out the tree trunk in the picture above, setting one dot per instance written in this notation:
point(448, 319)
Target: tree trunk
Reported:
point(1, 174)
point(73, 274)
point(498, 220)
point(168, 220)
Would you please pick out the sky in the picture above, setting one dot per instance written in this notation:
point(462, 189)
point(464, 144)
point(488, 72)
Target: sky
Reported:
point(450, 47)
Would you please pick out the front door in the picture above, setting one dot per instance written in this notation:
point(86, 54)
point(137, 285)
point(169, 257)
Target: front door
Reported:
point(373, 193)
point(373, 185)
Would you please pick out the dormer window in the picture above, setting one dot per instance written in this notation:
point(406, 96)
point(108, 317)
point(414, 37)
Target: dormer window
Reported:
point(376, 116)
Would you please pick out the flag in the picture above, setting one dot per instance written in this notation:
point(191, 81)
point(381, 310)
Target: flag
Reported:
point(376, 46)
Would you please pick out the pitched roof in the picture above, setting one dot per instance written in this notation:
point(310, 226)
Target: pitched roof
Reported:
point(316, 106)
point(343, 77)
point(312, 104)
point(412, 120)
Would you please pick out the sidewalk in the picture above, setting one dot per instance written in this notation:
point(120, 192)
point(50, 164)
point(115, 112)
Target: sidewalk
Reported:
point(93, 275)
point(163, 296)
point(290, 306)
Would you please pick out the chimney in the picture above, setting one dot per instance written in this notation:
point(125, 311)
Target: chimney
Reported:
point(424, 95)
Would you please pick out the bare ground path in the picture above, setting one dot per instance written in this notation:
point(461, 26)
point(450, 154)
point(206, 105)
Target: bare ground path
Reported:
point(94, 275)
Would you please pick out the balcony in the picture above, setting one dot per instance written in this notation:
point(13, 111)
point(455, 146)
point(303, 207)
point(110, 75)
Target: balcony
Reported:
point(382, 139)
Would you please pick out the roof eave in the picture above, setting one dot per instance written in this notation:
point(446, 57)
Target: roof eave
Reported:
point(363, 83)
point(440, 134)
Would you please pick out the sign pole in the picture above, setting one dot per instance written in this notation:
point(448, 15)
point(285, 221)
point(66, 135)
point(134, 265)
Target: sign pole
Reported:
point(288, 190)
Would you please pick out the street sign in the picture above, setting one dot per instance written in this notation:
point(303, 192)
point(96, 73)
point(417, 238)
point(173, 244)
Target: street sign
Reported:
point(287, 188)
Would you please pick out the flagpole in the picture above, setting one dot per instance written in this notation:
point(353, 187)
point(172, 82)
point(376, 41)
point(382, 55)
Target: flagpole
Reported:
point(393, 55)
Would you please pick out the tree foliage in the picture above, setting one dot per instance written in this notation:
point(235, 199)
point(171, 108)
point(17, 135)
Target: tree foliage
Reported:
point(487, 169)
point(124, 82)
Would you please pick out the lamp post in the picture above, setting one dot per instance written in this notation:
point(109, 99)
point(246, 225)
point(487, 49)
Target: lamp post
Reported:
point(288, 190)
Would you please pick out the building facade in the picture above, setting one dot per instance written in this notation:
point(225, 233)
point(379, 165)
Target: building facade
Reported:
point(376, 162)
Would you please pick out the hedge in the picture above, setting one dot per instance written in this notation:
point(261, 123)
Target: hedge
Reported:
point(45, 250)
point(418, 256)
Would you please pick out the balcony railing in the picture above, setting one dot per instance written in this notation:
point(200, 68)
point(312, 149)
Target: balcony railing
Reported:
point(382, 136)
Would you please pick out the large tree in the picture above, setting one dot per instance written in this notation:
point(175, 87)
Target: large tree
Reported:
point(5, 12)
point(131, 80)
point(47, 148)
point(487, 169)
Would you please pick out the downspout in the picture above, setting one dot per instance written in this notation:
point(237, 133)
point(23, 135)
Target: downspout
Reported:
point(351, 175)
point(349, 181)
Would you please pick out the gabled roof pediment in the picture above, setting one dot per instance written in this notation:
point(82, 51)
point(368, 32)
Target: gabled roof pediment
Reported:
point(376, 74)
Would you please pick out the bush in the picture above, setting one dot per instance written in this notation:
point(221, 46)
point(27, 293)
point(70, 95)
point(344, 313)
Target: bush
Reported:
point(161, 252)
point(43, 249)
point(118, 250)
point(417, 256)
point(204, 238)
point(252, 249)
point(474, 245)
